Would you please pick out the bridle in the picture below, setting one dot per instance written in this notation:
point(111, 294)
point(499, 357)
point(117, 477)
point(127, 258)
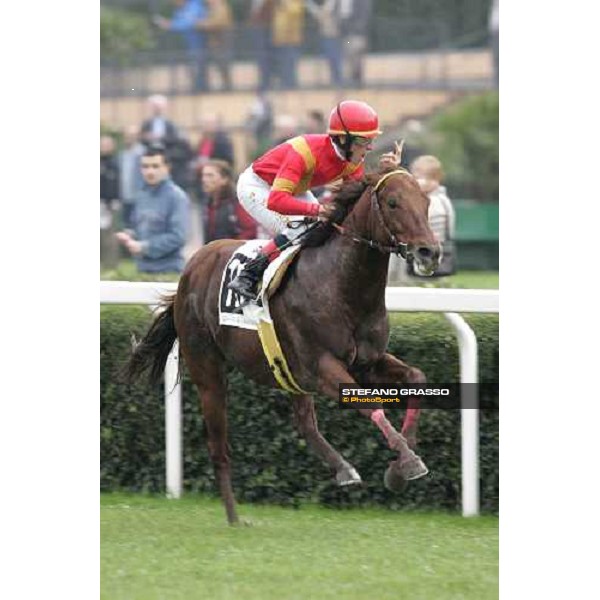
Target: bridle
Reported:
point(396, 246)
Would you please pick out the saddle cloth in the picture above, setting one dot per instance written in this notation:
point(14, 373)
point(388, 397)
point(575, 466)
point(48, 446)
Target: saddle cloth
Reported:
point(230, 302)
point(254, 315)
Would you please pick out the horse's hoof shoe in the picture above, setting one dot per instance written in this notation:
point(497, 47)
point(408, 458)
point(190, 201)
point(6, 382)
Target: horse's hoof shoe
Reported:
point(414, 468)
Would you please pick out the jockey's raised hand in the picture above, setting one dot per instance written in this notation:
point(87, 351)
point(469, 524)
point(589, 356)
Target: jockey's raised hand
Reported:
point(391, 160)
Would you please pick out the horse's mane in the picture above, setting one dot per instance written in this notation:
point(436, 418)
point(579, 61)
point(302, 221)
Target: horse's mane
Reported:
point(343, 201)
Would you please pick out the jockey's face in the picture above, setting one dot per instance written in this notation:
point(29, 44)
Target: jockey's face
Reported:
point(358, 150)
point(154, 169)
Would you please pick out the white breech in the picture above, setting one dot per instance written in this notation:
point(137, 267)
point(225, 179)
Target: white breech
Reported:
point(253, 192)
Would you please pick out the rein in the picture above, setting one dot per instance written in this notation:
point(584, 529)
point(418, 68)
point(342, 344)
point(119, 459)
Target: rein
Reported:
point(396, 247)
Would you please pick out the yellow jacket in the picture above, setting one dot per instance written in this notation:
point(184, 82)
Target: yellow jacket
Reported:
point(218, 21)
point(288, 23)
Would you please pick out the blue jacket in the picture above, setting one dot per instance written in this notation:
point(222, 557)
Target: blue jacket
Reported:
point(184, 21)
point(160, 221)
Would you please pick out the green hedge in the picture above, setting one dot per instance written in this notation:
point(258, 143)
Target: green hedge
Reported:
point(271, 462)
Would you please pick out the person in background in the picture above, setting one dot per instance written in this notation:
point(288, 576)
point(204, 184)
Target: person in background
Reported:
point(494, 27)
point(218, 26)
point(158, 129)
point(259, 21)
point(160, 218)
point(225, 216)
point(428, 172)
point(183, 20)
point(355, 16)
point(288, 36)
point(286, 127)
point(109, 172)
point(130, 180)
point(180, 156)
point(259, 124)
point(214, 144)
point(314, 122)
point(326, 14)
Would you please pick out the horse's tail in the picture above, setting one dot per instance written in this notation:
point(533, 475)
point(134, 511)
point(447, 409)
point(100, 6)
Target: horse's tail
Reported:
point(152, 351)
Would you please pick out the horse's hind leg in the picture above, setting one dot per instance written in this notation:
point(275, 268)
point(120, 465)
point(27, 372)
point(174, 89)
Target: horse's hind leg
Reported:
point(208, 373)
point(305, 419)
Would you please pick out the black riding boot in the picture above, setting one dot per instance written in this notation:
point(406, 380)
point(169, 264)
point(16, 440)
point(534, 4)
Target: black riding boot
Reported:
point(247, 280)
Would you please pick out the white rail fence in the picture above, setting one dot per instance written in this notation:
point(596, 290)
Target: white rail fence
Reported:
point(447, 301)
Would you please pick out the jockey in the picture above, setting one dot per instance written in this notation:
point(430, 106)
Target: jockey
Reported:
point(274, 189)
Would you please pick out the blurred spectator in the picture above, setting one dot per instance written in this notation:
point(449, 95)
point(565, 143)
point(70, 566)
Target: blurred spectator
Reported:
point(326, 13)
point(218, 26)
point(355, 16)
point(288, 37)
point(428, 171)
point(109, 194)
point(494, 26)
point(180, 156)
point(314, 122)
point(286, 127)
point(261, 16)
point(183, 21)
point(130, 171)
point(157, 128)
point(109, 171)
point(225, 217)
point(260, 125)
point(214, 144)
point(160, 218)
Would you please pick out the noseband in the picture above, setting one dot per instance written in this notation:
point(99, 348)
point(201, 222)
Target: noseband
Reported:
point(396, 246)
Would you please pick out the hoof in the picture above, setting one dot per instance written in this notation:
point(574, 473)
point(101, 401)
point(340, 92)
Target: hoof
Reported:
point(393, 481)
point(412, 468)
point(347, 476)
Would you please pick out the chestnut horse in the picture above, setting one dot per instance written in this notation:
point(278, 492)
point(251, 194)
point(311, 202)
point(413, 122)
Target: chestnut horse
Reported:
point(331, 322)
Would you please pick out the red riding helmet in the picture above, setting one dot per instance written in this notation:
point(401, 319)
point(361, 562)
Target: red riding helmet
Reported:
point(355, 118)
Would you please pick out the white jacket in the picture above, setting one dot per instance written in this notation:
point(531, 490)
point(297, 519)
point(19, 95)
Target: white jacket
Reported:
point(442, 219)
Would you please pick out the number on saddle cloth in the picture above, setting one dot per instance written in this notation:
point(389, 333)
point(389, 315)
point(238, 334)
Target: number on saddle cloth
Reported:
point(231, 301)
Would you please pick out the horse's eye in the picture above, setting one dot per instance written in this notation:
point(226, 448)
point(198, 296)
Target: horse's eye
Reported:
point(392, 202)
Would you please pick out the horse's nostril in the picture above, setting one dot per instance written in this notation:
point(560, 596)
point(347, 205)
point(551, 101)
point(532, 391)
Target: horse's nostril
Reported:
point(425, 252)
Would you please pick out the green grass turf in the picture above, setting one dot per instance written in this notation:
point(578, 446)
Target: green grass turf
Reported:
point(153, 548)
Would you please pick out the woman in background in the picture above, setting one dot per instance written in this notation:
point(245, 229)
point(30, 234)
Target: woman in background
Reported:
point(225, 216)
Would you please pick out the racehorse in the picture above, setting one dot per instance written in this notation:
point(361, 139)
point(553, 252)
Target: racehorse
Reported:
point(331, 322)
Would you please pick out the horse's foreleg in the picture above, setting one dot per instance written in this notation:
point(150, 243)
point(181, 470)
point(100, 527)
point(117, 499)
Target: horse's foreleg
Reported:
point(389, 369)
point(306, 421)
point(331, 373)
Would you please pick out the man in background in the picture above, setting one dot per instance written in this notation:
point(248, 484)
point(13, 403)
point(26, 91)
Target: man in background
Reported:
point(109, 172)
point(314, 122)
point(183, 21)
point(158, 129)
point(355, 18)
point(160, 218)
